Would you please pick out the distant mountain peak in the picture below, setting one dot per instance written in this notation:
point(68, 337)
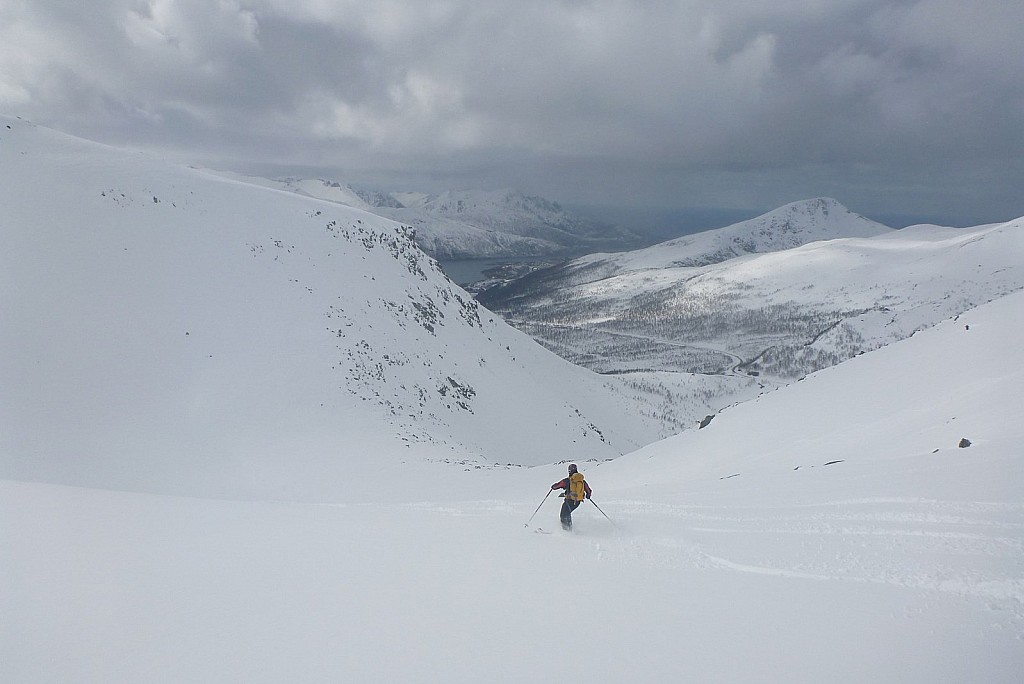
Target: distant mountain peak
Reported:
point(823, 213)
point(791, 225)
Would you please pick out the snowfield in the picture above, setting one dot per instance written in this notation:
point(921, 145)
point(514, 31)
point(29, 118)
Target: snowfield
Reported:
point(903, 562)
point(243, 441)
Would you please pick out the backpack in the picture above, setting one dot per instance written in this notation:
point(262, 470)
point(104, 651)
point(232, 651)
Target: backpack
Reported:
point(576, 491)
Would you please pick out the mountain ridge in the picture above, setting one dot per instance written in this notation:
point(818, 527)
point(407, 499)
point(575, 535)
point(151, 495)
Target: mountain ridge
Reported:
point(464, 224)
point(234, 338)
point(782, 313)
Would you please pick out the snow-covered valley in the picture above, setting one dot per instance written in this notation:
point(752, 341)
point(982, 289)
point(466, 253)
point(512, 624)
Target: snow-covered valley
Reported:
point(252, 436)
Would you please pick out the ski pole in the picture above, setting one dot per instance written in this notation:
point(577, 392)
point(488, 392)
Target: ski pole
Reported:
point(604, 514)
point(527, 523)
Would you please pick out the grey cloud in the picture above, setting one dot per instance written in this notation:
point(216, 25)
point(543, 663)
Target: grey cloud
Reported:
point(698, 102)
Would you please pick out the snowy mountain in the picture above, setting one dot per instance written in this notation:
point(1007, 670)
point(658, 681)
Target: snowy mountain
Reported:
point(833, 531)
point(792, 225)
point(517, 224)
point(167, 329)
point(510, 212)
point(473, 223)
point(304, 372)
point(850, 286)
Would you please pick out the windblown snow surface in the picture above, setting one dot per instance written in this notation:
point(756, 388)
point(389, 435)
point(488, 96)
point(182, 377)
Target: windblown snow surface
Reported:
point(830, 531)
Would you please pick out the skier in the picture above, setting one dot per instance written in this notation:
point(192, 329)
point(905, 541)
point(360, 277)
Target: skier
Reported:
point(576, 489)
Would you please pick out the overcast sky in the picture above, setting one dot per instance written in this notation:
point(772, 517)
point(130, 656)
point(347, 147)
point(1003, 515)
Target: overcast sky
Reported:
point(889, 106)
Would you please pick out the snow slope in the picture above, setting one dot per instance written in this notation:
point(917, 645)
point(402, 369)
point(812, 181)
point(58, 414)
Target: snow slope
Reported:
point(170, 330)
point(318, 188)
point(902, 560)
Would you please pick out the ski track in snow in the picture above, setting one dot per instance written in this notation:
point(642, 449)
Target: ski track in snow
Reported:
point(936, 546)
point(955, 548)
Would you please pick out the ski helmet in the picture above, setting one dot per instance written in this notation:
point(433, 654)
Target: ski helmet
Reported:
point(572, 467)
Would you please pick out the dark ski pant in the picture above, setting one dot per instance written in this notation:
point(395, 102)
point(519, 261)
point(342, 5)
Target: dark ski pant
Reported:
point(568, 506)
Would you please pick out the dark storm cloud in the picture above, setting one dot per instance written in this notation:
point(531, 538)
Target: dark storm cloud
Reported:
point(887, 105)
